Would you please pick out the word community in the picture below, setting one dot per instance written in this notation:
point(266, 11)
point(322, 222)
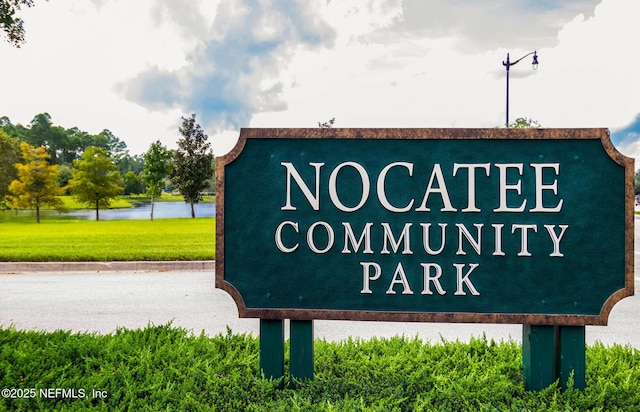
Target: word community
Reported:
point(418, 236)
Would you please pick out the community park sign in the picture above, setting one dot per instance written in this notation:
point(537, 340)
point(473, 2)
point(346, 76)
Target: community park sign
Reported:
point(531, 226)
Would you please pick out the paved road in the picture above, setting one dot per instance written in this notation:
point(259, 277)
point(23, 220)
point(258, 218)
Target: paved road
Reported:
point(102, 301)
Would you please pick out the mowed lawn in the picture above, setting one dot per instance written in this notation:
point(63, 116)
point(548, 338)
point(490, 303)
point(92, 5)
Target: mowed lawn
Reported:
point(81, 240)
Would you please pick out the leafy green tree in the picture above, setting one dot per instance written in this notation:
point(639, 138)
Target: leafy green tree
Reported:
point(116, 148)
point(192, 162)
point(128, 163)
point(66, 145)
point(9, 155)
point(65, 173)
point(13, 26)
point(15, 131)
point(78, 141)
point(96, 180)
point(37, 183)
point(156, 168)
point(39, 130)
point(43, 133)
point(132, 183)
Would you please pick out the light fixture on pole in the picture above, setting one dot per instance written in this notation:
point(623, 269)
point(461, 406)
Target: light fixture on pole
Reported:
point(507, 64)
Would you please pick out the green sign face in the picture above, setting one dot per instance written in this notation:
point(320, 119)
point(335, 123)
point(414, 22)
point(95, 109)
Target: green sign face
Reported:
point(449, 225)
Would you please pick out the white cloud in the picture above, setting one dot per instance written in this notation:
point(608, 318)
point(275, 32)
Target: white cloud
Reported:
point(488, 25)
point(590, 79)
point(235, 73)
point(408, 79)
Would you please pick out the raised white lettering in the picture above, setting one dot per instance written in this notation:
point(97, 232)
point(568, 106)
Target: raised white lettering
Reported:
point(314, 200)
point(464, 232)
point(426, 238)
point(380, 187)
point(350, 237)
point(497, 249)
point(330, 237)
point(541, 187)
point(504, 187)
point(395, 244)
point(556, 238)
point(524, 237)
point(279, 242)
point(333, 189)
point(464, 279)
point(400, 278)
point(367, 278)
point(436, 175)
point(471, 182)
point(426, 271)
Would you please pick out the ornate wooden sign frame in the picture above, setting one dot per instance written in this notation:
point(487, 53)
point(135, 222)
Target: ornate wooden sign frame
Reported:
point(530, 226)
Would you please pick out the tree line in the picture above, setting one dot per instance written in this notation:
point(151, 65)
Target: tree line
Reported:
point(41, 161)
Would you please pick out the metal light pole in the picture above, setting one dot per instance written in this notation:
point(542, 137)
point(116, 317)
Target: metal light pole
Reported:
point(507, 64)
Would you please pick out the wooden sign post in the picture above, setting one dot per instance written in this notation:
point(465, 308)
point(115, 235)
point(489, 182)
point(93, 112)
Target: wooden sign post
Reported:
point(526, 226)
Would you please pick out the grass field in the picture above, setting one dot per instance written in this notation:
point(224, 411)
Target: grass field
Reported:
point(115, 240)
point(71, 203)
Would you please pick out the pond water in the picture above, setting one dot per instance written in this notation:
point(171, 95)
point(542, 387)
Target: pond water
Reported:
point(141, 211)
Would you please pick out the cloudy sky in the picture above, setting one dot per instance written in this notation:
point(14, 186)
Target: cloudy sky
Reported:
point(136, 67)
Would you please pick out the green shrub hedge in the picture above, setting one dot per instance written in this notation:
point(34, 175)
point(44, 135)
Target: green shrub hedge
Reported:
point(169, 368)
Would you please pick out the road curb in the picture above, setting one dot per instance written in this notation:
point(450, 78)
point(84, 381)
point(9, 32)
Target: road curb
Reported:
point(137, 266)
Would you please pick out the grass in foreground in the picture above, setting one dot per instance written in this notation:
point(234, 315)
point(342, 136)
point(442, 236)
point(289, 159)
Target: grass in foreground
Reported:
point(167, 368)
point(113, 240)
